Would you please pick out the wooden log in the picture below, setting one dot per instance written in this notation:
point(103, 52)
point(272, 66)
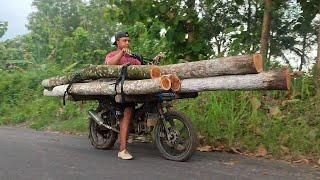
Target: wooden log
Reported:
point(147, 86)
point(152, 97)
point(175, 83)
point(272, 80)
point(244, 64)
point(103, 71)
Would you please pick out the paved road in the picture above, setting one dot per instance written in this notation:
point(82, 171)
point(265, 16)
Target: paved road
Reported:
point(26, 154)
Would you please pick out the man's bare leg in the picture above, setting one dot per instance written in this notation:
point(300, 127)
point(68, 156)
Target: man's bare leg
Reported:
point(124, 127)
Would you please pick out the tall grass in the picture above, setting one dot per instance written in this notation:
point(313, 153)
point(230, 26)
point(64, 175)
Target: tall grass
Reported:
point(22, 101)
point(244, 120)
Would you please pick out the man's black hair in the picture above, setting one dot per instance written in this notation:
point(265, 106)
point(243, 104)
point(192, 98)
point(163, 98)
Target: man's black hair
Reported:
point(119, 35)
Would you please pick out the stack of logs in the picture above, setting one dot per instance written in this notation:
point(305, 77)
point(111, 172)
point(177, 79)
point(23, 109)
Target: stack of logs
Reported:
point(243, 72)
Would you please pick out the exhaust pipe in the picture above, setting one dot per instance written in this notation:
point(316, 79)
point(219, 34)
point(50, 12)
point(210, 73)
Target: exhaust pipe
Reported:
point(99, 121)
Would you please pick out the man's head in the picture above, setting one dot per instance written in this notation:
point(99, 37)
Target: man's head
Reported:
point(122, 40)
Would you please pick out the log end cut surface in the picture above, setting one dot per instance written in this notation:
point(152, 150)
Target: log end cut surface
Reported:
point(165, 83)
point(155, 72)
point(287, 74)
point(175, 83)
point(281, 80)
point(258, 63)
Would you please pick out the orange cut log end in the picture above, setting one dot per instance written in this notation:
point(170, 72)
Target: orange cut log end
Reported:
point(287, 75)
point(258, 62)
point(175, 83)
point(165, 83)
point(155, 72)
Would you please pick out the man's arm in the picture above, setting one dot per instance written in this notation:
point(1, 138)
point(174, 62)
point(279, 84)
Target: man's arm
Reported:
point(115, 60)
point(158, 57)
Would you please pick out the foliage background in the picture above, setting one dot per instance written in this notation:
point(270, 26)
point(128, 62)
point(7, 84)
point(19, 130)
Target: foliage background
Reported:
point(68, 35)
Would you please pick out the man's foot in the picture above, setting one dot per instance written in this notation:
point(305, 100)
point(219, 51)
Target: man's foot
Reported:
point(125, 155)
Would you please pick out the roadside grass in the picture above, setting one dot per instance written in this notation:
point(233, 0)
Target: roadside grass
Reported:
point(75, 126)
point(22, 102)
point(288, 129)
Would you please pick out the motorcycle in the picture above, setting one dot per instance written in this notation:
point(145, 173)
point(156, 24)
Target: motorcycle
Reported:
point(173, 132)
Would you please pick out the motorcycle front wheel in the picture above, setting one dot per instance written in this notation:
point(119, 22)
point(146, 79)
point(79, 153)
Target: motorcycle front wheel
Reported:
point(181, 141)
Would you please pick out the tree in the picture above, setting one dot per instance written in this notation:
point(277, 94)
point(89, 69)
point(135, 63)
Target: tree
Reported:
point(220, 22)
point(3, 28)
point(51, 23)
point(318, 63)
point(265, 35)
point(177, 18)
point(317, 25)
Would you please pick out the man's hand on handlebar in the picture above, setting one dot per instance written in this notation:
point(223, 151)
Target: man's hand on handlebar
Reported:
point(126, 51)
point(159, 57)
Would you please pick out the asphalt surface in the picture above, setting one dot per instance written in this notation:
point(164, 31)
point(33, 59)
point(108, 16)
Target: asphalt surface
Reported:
point(26, 154)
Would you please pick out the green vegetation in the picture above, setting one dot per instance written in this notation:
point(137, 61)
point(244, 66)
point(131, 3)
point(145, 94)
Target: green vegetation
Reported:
point(22, 102)
point(68, 35)
point(243, 120)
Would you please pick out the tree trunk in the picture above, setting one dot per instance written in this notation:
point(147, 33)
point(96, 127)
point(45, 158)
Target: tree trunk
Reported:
point(245, 64)
point(318, 53)
point(249, 27)
point(302, 58)
point(103, 71)
point(272, 80)
point(190, 30)
point(265, 34)
point(317, 79)
point(146, 86)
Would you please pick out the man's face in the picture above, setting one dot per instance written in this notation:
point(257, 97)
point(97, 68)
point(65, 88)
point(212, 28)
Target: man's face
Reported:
point(123, 42)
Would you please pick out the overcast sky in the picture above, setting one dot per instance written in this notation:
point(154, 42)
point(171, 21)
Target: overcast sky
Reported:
point(16, 13)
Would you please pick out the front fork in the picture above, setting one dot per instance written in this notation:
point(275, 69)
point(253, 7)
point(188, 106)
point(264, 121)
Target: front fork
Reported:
point(162, 117)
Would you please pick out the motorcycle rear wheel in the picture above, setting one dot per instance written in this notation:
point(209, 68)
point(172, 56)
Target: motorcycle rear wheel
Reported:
point(183, 137)
point(101, 137)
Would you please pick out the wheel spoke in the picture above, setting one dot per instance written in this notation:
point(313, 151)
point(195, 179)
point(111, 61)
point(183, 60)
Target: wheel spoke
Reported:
point(100, 137)
point(180, 137)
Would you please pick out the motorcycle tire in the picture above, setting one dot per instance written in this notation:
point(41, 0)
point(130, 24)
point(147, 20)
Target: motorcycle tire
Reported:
point(167, 149)
point(107, 136)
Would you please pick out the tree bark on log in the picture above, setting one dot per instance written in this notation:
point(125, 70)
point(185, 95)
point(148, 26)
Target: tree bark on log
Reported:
point(103, 71)
point(272, 80)
point(147, 86)
point(244, 64)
